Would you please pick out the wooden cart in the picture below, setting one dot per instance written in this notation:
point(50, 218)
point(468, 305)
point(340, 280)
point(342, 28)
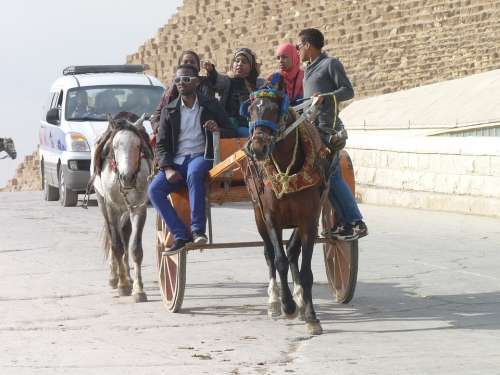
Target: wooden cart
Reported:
point(225, 184)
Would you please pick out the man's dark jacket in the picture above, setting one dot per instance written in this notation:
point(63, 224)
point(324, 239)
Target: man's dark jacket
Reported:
point(170, 127)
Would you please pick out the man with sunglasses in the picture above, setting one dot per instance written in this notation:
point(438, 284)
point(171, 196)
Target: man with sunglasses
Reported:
point(185, 152)
point(325, 74)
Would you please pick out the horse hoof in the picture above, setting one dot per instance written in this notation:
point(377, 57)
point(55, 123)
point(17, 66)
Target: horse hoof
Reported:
point(293, 314)
point(274, 309)
point(113, 283)
point(124, 291)
point(314, 328)
point(140, 297)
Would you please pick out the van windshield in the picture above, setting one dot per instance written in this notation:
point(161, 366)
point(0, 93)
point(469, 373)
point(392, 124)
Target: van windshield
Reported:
point(94, 103)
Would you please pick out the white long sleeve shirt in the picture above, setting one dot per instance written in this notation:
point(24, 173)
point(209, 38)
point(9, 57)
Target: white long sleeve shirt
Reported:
point(191, 137)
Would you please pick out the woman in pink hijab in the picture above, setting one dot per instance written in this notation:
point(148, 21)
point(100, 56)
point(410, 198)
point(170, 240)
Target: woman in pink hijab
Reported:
point(290, 70)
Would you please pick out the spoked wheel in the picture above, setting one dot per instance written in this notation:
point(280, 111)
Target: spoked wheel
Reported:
point(341, 261)
point(171, 268)
point(341, 257)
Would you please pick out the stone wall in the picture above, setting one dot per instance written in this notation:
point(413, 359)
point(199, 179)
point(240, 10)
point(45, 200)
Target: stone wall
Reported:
point(438, 173)
point(385, 45)
point(27, 177)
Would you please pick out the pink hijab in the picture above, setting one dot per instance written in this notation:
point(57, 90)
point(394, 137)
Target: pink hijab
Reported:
point(293, 76)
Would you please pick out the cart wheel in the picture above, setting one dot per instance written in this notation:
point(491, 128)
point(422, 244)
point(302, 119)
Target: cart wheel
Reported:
point(171, 269)
point(341, 261)
point(161, 235)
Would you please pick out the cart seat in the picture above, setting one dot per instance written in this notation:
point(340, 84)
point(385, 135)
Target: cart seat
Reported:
point(225, 179)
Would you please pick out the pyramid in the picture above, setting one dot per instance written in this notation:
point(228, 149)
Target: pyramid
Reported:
point(385, 45)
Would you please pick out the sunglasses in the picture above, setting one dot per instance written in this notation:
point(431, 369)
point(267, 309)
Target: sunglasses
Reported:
point(299, 46)
point(184, 79)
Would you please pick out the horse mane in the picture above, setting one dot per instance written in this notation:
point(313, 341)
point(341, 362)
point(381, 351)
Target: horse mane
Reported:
point(123, 121)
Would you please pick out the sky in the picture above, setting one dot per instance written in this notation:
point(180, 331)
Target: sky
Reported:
point(38, 39)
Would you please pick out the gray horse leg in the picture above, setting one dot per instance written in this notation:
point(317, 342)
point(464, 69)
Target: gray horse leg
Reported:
point(126, 229)
point(118, 248)
point(137, 219)
point(108, 253)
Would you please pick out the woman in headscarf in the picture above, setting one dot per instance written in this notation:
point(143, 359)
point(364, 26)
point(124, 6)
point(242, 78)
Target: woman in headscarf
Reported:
point(291, 71)
point(236, 89)
point(205, 87)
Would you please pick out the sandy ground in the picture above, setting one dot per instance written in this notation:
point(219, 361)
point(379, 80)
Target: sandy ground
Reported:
point(427, 301)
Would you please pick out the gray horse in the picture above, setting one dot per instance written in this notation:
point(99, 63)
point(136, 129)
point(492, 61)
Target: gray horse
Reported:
point(121, 166)
point(7, 145)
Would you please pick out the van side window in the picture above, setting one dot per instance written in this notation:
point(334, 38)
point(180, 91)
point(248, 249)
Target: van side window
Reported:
point(57, 100)
point(60, 100)
point(52, 100)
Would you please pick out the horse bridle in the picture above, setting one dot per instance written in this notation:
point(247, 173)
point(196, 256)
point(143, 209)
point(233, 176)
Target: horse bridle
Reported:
point(145, 152)
point(124, 190)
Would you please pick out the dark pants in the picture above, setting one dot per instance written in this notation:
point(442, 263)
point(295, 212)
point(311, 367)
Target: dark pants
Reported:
point(346, 208)
point(194, 172)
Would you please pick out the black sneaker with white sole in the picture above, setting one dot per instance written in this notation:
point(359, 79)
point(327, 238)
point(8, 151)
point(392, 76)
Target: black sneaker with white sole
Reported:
point(176, 247)
point(336, 229)
point(345, 232)
point(360, 229)
point(199, 238)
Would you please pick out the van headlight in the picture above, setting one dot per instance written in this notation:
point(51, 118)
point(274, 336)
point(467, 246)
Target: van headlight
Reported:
point(77, 142)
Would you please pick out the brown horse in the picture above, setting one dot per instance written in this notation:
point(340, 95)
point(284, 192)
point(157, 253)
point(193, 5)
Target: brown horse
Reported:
point(277, 209)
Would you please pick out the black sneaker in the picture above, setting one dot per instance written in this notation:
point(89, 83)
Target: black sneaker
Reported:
point(199, 238)
point(345, 233)
point(336, 229)
point(177, 246)
point(360, 229)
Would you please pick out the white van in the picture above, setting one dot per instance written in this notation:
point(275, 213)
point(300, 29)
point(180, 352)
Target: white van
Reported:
point(75, 116)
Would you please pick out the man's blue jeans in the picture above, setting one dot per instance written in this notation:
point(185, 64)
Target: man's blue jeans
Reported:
point(346, 208)
point(194, 172)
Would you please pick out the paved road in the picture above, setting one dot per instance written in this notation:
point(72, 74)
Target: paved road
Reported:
point(427, 302)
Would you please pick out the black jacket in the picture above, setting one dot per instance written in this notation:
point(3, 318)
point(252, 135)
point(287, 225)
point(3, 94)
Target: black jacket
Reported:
point(170, 125)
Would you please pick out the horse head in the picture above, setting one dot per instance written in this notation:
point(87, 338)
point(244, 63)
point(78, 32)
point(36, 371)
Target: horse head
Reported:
point(267, 110)
point(9, 148)
point(126, 147)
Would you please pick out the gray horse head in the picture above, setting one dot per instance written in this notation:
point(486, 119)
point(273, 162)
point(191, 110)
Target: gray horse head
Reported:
point(127, 148)
point(7, 145)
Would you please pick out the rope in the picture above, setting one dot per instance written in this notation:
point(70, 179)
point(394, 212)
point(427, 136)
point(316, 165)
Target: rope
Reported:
point(283, 178)
point(334, 110)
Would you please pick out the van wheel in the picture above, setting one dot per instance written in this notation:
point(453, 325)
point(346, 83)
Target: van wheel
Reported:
point(67, 197)
point(50, 193)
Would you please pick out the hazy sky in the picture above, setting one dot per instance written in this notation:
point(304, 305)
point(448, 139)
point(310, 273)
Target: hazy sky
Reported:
point(40, 38)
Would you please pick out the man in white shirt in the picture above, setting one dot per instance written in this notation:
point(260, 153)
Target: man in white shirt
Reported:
point(184, 150)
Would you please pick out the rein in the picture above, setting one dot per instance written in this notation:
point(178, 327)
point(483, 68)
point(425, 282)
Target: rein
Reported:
point(284, 178)
point(280, 180)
